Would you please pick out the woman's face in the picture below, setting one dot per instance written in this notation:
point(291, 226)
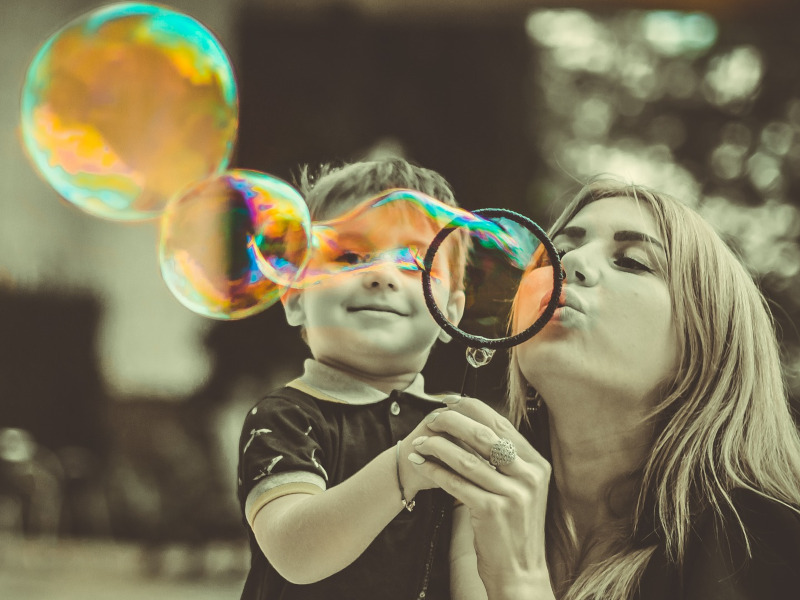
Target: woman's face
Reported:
point(614, 333)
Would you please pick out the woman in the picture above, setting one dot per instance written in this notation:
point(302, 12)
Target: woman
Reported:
point(656, 456)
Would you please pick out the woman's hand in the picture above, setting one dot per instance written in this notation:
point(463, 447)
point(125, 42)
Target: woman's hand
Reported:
point(507, 504)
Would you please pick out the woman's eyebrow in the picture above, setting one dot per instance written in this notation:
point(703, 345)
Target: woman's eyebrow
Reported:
point(571, 232)
point(636, 236)
point(625, 235)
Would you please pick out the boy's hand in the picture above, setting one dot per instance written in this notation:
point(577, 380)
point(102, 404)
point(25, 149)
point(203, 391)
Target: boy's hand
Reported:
point(410, 478)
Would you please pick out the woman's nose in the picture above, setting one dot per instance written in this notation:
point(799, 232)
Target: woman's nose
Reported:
point(578, 268)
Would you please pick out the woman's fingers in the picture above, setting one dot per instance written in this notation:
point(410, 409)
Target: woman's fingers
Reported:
point(480, 434)
point(484, 490)
point(485, 414)
point(465, 465)
point(482, 413)
point(453, 482)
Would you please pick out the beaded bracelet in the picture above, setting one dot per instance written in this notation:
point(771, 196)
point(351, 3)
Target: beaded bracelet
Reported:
point(407, 504)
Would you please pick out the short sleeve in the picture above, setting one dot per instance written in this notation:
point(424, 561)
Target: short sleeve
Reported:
point(281, 451)
point(722, 568)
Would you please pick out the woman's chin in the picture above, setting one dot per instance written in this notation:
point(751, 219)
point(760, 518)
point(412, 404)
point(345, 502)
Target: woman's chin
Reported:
point(543, 360)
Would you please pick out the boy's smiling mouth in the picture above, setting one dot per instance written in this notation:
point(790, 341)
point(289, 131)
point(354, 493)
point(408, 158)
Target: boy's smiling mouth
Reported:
point(377, 308)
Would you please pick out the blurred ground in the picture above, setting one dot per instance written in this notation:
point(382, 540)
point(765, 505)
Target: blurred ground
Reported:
point(100, 570)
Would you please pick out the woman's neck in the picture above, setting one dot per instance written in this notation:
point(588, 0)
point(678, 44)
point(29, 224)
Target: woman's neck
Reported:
point(595, 453)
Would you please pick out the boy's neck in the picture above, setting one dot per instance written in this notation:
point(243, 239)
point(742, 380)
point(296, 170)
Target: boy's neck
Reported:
point(384, 383)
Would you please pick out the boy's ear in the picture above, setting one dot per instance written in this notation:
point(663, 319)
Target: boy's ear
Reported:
point(453, 311)
point(293, 308)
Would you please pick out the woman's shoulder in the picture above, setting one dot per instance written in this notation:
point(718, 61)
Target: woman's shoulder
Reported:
point(748, 550)
point(769, 525)
point(752, 528)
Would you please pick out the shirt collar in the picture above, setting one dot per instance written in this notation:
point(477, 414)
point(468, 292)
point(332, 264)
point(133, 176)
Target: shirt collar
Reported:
point(328, 383)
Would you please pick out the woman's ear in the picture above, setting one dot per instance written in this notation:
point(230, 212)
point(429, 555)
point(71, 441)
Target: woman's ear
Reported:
point(453, 311)
point(293, 308)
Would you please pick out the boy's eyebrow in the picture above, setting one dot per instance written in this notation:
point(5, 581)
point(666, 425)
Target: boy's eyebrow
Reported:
point(625, 235)
point(351, 238)
point(418, 241)
point(366, 243)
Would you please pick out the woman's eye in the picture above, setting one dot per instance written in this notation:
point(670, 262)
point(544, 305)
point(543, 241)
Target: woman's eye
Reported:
point(626, 262)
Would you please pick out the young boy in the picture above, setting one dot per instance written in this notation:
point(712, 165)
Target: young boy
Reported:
point(323, 475)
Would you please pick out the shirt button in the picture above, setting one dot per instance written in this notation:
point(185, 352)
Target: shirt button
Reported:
point(395, 408)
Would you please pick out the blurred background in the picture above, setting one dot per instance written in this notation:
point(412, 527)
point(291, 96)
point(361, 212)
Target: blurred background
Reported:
point(120, 409)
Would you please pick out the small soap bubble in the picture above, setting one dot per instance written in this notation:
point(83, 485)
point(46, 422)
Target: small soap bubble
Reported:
point(233, 244)
point(479, 357)
point(127, 106)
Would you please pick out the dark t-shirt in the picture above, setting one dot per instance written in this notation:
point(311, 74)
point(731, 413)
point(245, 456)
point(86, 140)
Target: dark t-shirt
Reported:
point(293, 442)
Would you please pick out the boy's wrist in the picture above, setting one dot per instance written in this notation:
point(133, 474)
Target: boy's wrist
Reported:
point(407, 481)
point(406, 497)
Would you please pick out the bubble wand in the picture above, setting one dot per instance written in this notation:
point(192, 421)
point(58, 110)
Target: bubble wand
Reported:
point(480, 350)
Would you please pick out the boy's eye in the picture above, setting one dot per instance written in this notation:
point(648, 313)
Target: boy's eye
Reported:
point(350, 258)
point(416, 258)
point(626, 262)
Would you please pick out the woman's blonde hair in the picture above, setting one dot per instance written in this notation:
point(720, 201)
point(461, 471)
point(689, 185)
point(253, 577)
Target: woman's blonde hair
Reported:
point(723, 423)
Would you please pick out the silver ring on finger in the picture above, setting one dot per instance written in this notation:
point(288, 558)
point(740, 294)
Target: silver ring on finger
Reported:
point(503, 453)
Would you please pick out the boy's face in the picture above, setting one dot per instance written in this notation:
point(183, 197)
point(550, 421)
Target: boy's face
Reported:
point(374, 320)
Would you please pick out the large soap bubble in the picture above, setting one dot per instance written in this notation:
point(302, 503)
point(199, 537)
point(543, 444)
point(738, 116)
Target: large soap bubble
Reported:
point(126, 106)
point(233, 244)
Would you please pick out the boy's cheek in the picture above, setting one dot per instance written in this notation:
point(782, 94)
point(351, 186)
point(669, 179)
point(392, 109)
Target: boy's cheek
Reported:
point(441, 295)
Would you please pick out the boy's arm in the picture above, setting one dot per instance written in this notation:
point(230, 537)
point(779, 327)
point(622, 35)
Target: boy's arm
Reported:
point(308, 537)
point(465, 583)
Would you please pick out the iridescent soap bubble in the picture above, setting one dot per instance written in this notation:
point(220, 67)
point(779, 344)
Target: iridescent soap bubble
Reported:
point(233, 244)
point(127, 106)
point(398, 226)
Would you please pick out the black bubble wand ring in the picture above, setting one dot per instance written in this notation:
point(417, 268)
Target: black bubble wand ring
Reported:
point(476, 341)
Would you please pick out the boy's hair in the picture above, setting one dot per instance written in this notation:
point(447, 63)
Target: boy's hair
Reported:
point(332, 190)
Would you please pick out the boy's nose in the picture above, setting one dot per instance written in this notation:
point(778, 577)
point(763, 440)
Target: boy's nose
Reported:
point(385, 276)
